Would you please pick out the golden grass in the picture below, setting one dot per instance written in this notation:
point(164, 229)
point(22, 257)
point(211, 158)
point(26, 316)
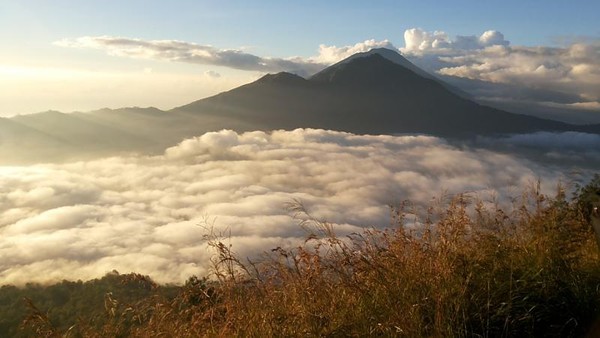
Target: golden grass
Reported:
point(469, 271)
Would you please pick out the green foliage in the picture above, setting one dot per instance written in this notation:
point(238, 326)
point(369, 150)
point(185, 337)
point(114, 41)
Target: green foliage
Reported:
point(47, 310)
point(469, 269)
point(587, 195)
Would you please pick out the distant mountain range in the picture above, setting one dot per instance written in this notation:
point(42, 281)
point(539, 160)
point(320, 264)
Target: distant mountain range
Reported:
point(378, 92)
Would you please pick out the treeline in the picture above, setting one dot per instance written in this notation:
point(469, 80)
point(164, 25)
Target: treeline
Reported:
point(56, 308)
point(469, 269)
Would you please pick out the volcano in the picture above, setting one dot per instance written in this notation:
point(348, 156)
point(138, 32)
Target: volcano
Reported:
point(379, 92)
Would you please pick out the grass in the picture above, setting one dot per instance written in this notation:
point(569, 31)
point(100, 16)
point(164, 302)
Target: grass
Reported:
point(469, 270)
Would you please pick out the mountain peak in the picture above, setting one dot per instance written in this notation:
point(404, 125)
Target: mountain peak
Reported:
point(395, 57)
point(387, 53)
point(363, 68)
point(282, 78)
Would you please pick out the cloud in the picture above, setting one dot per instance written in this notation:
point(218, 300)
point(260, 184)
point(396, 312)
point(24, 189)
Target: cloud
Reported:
point(418, 41)
point(333, 54)
point(212, 74)
point(181, 51)
point(570, 71)
point(81, 220)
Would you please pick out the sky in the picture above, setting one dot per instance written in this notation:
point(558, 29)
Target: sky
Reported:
point(84, 55)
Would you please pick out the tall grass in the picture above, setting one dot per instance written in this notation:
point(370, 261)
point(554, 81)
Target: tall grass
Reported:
point(468, 270)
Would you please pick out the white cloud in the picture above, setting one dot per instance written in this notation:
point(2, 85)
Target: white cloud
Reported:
point(419, 41)
point(572, 70)
point(181, 51)
point(416, 40)
point(81, 220)
point(492, 38)
point(333, 54)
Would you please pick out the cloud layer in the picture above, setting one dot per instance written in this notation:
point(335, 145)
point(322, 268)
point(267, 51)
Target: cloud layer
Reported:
point(81, 220)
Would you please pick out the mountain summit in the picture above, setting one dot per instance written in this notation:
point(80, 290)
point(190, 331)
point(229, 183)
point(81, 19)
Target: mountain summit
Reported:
point(390, 55)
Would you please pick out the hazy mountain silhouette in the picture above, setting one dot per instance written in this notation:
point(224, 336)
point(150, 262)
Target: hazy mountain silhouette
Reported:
point(375, 92)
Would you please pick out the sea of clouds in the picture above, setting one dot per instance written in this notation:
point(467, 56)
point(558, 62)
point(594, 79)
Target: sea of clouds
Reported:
point(146, 214)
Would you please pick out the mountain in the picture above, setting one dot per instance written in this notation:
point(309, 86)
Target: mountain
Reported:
point(367, 93)
point(398, 59)
point(378, 92)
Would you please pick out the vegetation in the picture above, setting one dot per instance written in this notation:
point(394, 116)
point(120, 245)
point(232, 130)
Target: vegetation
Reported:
point(55, 308)
point(469, 269)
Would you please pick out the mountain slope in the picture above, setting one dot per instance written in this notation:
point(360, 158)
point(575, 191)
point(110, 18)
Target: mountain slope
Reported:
point(20, 143)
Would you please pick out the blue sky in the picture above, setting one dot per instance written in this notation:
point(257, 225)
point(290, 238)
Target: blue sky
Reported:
point(284, 28)
point(29, 30)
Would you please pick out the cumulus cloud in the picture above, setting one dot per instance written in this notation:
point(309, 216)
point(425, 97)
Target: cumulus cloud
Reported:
point(420, 41)
point(569, 71)
point(81, 220)
point(181, 51)
point(333, 54)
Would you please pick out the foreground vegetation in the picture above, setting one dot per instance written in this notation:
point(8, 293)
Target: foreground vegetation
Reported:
point(471, 269)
